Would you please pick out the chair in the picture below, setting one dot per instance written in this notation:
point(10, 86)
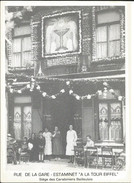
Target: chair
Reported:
point(24, 156)
point(79, 157)
point(91, 154)
point(120, 160)
point(23, 153)
point(11, 154)
point(107, 157)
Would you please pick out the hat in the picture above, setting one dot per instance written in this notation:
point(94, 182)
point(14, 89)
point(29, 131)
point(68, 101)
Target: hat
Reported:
point(9, 135)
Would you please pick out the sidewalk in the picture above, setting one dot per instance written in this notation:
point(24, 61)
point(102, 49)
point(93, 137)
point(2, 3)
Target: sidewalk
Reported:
point(60, 165)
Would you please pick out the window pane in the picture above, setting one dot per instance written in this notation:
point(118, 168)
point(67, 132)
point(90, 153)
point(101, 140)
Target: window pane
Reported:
point(16, 61)
point(103, 121)
point(27, 119)
point(24, 99)
point(108, 17)
point(26, 54)
point(101, 50)
point(17, 122)
point(26, 59)
point(26, 44)
point(22, 30)
point(114, 48)
point(17, 45)
point(114, 32)
point(101, 34)
point(115, 131)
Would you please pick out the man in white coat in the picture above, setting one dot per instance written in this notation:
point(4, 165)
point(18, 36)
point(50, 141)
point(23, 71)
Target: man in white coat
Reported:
point(71, 139)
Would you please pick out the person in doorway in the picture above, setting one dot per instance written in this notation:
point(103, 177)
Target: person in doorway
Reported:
point(71, 139)
point(57, 144)
point(41, 145)
point(33, 147)
point(89, 142)
point(48, 145)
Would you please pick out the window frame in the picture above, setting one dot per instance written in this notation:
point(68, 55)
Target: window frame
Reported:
point(22, 105)
point(21, 37)
point(107, 27)
point(108, 102)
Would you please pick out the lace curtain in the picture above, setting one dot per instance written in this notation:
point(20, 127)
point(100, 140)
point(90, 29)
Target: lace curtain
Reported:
point(108, 41)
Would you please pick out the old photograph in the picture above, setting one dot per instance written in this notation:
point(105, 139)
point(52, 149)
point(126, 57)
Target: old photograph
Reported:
point(65, 93)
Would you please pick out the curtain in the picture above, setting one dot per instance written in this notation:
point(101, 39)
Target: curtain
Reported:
point(27, 113)
point(26, 52)
point(26, 44)
point(16, 61)
point(115, 131)
point(17, 122)
point(103, 121)
point(114, 40)
point(101, 38)
point(22, 52)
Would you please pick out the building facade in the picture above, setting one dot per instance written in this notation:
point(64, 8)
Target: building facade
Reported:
point(66, 65)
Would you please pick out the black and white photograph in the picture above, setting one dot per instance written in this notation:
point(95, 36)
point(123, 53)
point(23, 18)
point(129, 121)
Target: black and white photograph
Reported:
point(65, 116)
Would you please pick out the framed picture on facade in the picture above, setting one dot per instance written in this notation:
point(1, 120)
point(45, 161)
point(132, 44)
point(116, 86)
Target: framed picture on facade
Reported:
point(61, 34)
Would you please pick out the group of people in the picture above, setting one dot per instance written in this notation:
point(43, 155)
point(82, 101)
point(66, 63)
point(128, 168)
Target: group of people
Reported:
point(47, 144)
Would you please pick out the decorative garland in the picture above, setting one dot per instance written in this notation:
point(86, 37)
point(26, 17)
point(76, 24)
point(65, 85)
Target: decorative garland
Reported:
point(122, 26)
point(16, 76)
point(32, 85)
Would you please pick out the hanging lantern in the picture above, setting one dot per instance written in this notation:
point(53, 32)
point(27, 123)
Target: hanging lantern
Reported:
point(88, 96)
point(28, 86)
point(105, 84)
point(62, 91)
point(9, 86)
point(70, 92)
point(105, 92)
point(38, 87)
point(120, 98)
point(11, 90)
point(99, 92)
point(44, 94)
point(77, 97)
point(111, 91)
point(32, 79)
point(19, 91)
point(15, 80)
point(53, 97)
point(67, 82)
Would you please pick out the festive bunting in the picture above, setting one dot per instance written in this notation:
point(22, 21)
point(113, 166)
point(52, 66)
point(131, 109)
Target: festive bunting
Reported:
point(32, 85)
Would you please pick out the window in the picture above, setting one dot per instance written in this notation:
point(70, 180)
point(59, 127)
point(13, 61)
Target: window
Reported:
point(108, 35)
point(22, 47)
point(22, 117)
point(110, 121)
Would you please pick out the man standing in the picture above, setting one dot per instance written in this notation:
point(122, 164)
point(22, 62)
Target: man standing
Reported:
point(71, 139)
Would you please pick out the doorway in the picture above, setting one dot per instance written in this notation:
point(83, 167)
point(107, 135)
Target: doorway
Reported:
point(59, 112)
